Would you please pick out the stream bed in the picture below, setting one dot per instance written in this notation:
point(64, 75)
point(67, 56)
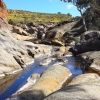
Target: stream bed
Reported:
point(35, 68)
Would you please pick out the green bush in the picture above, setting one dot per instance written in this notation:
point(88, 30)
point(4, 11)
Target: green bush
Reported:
point(11, 22)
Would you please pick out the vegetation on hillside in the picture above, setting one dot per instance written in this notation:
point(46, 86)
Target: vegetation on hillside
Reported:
point(16, 16)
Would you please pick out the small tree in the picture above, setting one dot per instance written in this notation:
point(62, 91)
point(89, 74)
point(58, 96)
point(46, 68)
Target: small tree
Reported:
point(80, 4)
point(69, 14)
point(95, 6)
point(11, 22)
point(59, 12)
point(25, 20)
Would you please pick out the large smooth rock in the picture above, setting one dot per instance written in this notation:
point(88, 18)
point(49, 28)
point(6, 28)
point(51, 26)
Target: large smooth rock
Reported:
point(7, 62)
point(51, 80)
point(55, 36)
point(59, 31)
point(32, 30)
point(90, 60)
point(67, 50)
point(21, 37)
point(38, 48)
point(46, 49)
point(62, 50)
point(57, 42)
point(3, 25)
point(85, 91)
point(84, 78)
point(54, 42)
point(19, 30)
point(10, 48)
point(89, 41)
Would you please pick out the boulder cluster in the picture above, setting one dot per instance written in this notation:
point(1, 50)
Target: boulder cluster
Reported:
point(48, 45)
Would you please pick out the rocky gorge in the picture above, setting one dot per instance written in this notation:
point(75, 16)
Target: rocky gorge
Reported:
point(48, 61)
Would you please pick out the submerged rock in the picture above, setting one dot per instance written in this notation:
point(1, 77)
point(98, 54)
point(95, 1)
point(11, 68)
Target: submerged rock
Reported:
point(62, 59)
point(45, 62)
point(30, 81)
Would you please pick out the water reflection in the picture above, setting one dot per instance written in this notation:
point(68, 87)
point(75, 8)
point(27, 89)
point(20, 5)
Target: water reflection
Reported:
point(7, 81)
point(19, 82)
point(35, 68)
point(73, 66)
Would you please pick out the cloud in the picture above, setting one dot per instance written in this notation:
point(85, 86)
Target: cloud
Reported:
point(51, 1)
point(70, 6)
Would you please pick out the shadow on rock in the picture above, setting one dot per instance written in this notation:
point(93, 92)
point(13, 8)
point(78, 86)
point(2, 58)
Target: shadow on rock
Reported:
point(32, 95)
point(83, 91)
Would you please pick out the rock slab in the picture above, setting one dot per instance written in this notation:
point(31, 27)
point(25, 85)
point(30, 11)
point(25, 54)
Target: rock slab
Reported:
point(79, 89)
point(51, 80)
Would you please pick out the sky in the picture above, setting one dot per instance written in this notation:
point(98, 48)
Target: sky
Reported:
point(43, 6)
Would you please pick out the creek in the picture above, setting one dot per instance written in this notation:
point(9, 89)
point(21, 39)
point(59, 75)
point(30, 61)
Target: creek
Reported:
point(35, 68)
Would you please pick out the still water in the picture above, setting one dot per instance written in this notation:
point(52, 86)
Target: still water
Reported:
point(35, 68)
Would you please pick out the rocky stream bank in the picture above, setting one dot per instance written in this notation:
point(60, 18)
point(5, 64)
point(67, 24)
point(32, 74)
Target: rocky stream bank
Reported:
point(48, 61)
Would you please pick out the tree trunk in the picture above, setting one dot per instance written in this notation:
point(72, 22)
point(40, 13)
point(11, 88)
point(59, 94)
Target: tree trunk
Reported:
point(84, 24)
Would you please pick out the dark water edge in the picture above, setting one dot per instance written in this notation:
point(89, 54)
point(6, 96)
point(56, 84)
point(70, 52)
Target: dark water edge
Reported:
point(35, 68)
point(73, 66)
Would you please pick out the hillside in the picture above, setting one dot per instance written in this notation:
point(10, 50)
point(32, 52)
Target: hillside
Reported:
point(26, 16)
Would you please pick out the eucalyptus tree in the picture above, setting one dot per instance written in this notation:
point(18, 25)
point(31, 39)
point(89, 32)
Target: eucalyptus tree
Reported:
point(81, 5)
point(95, 6)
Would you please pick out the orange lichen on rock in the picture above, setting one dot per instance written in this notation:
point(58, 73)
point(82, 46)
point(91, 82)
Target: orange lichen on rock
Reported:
point(3, 10)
